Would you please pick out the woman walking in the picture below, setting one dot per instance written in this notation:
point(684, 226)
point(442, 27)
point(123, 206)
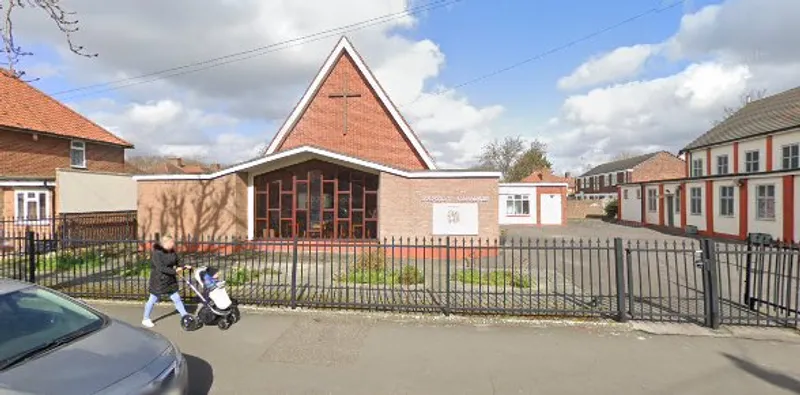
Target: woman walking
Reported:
point(164, 278)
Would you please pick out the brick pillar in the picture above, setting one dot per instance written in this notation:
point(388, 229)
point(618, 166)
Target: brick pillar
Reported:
point(684, 205)
point(788, 208)
point(769, 153)
point(661, 204)
point(709, 195)
point(743, 210)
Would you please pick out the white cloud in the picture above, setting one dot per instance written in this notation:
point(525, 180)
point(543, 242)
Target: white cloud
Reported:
point(619, 64)
point(731, 49)
point(133, 40)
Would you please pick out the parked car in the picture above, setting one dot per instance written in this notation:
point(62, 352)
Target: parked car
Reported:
point(53, 344)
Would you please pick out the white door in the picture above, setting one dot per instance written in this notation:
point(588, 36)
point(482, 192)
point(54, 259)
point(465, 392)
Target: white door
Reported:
point(550, 209)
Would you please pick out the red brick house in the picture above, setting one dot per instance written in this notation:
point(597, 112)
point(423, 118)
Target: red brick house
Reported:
point(345, 164)
point(38, 135)
point(601, 181)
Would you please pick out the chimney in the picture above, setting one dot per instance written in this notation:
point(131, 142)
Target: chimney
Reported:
point(178, 162)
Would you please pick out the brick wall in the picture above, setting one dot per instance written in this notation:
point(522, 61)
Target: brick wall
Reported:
point(212, 208)
point(579, 209)
point(402, 213)
point(660, 167)
point(371, 132)
point(21, 155)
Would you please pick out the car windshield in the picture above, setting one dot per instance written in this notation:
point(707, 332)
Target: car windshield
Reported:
point(33, 320)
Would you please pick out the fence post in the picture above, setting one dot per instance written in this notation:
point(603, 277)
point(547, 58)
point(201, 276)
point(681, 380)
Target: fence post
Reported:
point(619, 259)
point(31, 250)
point(294, 273)
point(711, 283)
point(447, 276)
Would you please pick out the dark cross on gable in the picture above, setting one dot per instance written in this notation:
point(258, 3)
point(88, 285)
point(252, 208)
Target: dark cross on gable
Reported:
point(344, 96)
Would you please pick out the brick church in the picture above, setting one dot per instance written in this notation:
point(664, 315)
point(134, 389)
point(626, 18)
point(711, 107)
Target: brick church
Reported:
point(344, 165)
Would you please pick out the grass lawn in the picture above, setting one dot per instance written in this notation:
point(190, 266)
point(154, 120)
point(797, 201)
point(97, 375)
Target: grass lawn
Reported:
point(496, 278)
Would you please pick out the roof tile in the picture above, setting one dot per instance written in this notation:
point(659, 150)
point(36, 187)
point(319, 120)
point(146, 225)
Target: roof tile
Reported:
point(24, 107)
point(770, 114)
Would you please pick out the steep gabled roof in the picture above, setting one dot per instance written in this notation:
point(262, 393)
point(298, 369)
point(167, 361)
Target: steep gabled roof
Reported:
point(619, 165)
point(344, 47)
point(771, 114)
point(23, 107)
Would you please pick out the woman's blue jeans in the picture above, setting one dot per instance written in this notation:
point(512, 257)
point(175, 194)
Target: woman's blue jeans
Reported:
point(176, 298)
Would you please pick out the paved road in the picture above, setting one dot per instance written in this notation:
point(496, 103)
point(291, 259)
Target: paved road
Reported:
point(278, 352)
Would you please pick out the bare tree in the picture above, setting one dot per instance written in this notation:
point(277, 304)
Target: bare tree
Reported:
point(501, 155)
point(63, 20)
point(534, 158)
point(748, 97)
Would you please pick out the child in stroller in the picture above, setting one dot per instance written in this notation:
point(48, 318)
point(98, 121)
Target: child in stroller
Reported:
point(216, 306)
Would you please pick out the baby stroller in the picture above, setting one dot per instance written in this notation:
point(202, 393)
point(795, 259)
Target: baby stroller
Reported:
point(216, 307)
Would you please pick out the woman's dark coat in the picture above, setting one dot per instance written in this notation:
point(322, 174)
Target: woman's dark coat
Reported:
point(163, 277)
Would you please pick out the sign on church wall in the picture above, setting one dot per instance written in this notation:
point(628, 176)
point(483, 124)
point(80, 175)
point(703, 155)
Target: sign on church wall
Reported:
point(455, 219)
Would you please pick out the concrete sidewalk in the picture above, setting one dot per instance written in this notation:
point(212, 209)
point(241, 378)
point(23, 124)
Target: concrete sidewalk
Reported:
point(284, 352)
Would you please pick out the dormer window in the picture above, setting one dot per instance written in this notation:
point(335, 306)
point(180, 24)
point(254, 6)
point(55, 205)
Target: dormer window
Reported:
point(77, 154)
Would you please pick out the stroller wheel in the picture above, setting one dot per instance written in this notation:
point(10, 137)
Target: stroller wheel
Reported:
point(190, 323)
point(225, 323)
point(235, 315)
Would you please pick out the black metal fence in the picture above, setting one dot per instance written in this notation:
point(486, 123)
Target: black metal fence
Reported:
point(69, 228)
point(700, 281)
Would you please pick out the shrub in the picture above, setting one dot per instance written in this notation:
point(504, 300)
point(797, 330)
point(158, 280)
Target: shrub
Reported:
point(410, 275)
point(139, 268)
point(68, 259)
point(373, 259)
point(240, 276)
point(612, 208)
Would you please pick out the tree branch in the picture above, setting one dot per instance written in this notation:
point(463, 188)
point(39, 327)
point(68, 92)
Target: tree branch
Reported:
point(63, 20)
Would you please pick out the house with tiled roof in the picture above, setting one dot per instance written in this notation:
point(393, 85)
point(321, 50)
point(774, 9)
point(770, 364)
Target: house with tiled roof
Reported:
point(601, 181)
point(38, 136)
point(740, 177)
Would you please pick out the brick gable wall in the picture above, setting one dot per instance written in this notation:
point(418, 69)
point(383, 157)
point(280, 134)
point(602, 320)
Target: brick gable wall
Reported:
point(22, 156)
point(662, 166)
point(372, 134)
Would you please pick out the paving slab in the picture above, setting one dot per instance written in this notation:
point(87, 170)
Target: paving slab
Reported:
point(312, 352)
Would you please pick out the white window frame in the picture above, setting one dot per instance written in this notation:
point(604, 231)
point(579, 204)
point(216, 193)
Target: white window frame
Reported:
point(21, 213)
point(752, 165)
point(763, 197)
point(677, 201)
point(625, 194)
point(697, 167)
point(727, 201)
point(511, 205)
point(696, 199)
point(723, 169)
point(792, 157)
point(74, 146)
point(652, 200)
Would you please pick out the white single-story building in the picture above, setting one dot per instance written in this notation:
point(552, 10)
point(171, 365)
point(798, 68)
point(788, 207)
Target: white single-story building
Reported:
point(533, 203)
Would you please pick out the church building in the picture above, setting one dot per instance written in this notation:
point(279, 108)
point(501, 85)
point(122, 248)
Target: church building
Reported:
point(344, 165)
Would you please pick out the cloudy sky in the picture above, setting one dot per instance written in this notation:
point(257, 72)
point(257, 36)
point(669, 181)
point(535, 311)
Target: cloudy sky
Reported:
point(654, 83)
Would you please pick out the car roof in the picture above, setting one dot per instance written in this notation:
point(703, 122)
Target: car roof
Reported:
point(8, 285)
